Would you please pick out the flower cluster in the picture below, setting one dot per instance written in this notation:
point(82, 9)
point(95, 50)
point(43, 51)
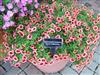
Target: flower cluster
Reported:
point(78, 27)
point(10, 8)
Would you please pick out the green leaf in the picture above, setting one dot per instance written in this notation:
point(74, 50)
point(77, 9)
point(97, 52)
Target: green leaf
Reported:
point(6, 1)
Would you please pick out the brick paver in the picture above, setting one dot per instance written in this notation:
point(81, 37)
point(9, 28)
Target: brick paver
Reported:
point(13, 71)
point(86, 71)
point(32, 70)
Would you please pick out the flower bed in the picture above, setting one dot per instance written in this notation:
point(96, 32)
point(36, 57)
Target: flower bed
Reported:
point(78, 27)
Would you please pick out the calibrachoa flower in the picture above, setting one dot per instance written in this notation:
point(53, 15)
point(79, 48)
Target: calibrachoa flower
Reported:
point(74, 26)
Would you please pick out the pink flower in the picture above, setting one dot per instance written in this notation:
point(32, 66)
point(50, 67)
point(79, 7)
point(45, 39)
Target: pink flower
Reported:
point(15, 58)
point(84, 55)
point(34, 29)
point(32, 46)
point(78, 56)
point(37, 15)
point(10, 5)
point(57, 36)
point(18, 51)
point(95, 28)
point(79, 23)
point(59, 20)
point(67, 13)
point(29, 30)
point(58, 29)
point(87, 28)
point(10, 13)
point(51, 10)
point(6, 59)
point(11, 53)
point(6, 18)
point(29, 37)
point(90, 35)
point(88, 42)
point(81, 35)
point(17, 64)
point(21, 33)
point(20, 26)
point(72, 59)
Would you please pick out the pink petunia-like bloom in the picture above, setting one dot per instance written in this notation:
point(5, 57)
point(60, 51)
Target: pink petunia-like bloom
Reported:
point(59, 20)
point(87, 28)
point(18, 51)
point(84, 55)
point(11, 53)
point(88, 42)
point(58, 36)
point(95, 28)
point(7, 59)
point(79, 23)
point(81, 35)
point(29, 37)
point(58, 29)
point(10, 13)
point(9, 6)
point(51, 11)
point(67, 14)
point(6, 18)
point(34, 29)
point(20, 26)
point(21, 33)
point(14, 58)
point(78, 56)
point(18, 64)
point(2, 8)
point(90, 35)
point(72, 59)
